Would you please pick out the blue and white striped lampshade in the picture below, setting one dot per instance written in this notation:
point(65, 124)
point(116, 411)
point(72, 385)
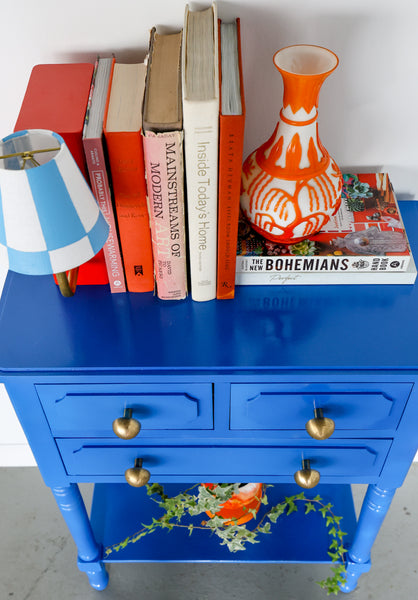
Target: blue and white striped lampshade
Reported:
point(50, 221)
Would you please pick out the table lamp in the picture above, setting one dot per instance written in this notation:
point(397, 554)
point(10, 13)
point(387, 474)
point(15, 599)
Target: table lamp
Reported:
point(50, 221)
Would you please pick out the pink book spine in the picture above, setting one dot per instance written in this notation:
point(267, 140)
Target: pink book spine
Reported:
point(165, 186)
point(93, 149)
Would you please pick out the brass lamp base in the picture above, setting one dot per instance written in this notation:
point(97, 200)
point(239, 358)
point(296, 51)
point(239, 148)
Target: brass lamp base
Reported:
point(67, 282)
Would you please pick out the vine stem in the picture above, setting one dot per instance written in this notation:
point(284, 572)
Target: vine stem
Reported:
point(331, 584)
point(131, 538)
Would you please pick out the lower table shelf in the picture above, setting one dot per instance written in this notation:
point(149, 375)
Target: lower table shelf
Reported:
point(118, 511)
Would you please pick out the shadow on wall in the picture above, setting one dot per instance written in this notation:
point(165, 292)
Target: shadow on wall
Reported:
point(354, 101)
point(269, 30)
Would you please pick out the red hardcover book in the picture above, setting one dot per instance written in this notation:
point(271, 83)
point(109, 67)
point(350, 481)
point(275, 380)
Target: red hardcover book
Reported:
point(231, 142)
point(56, 99)
point(123, 134)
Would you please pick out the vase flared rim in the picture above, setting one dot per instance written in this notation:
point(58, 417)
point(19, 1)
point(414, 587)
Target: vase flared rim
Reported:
point(329, 59)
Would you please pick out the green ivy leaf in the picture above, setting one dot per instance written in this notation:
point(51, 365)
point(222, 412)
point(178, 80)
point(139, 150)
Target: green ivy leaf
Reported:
point(291, 504)
point(155, 488)
point(334, 556)
point(265, 528)
point(309, 507)
point(276, 511)
point(325, 509)
point(291, 507)
point(264, 500)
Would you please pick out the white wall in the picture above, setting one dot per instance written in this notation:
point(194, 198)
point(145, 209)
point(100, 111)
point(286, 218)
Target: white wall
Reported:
point(14, 449)
point(367, 107)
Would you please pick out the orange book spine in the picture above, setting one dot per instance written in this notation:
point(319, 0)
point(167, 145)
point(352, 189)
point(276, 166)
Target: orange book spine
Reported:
point(126, 159)
point(231, 144)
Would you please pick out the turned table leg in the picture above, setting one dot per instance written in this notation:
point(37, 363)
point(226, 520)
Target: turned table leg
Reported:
point(73, 510)
point(374, 509)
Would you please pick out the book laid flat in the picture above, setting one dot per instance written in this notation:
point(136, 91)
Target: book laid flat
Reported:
point(163, 150)
point(123, 135)
point(326, 278)
point(201, 132)
point(93, 142)
point(56, 99)
point(231, 144)
point(365, 238)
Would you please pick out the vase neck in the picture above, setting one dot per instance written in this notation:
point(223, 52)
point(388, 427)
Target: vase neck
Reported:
point(301, 92)
point(304, 69)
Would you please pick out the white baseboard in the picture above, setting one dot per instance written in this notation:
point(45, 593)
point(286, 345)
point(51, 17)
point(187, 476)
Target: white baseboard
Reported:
point(16, 455)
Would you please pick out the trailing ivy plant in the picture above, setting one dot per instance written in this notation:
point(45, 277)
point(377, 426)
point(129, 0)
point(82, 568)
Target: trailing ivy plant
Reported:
point(235, 536)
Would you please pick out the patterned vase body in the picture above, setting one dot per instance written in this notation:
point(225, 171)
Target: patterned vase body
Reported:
point(290, 185)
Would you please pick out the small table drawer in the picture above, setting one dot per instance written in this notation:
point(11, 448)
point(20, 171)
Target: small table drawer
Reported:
point(352, 406)
point(357, 460)
point(89, 410)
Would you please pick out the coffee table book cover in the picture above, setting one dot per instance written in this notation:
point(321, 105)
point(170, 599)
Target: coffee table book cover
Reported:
point(366, 235)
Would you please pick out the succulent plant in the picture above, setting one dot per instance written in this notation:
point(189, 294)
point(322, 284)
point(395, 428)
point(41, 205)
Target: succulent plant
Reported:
point(303, 248)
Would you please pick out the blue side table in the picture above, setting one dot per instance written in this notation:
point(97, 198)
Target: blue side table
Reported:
point(223, 391)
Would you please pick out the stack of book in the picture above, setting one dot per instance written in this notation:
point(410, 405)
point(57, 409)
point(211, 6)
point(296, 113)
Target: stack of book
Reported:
point(161, 143)
point(364, 243)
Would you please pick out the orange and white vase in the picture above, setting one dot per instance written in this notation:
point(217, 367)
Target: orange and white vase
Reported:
point(290, 185)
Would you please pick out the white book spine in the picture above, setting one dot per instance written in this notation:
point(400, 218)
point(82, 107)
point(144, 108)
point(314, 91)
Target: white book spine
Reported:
point(201, 160)
point(201, 138)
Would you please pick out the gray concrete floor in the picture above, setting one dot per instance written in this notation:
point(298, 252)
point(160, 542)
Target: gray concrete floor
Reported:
point(38, 558)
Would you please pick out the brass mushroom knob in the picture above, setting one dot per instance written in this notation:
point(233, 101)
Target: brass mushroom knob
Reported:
point(320, 427)
point(307, 478)
point(137, 476)
point(126, 427)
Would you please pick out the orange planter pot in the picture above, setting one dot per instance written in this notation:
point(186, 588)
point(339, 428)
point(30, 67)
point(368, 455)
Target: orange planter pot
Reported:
point(237, 507)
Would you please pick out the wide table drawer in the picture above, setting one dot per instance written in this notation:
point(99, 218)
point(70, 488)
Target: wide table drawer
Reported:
point(357, 460)
point(90, 409)
point(352, 406)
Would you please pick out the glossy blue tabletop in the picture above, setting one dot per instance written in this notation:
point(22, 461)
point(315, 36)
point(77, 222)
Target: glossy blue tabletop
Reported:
point(265, 327)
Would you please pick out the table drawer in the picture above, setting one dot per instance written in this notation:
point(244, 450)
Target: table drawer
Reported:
point(352, 406)
point(355, 461)
point(89, 410)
